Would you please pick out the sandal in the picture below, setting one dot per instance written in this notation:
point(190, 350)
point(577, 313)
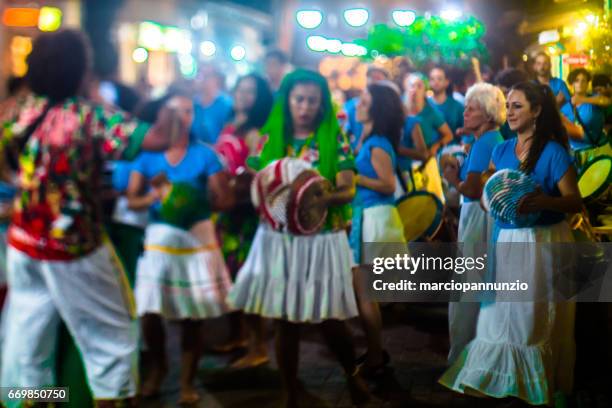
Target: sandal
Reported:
point(376, 371)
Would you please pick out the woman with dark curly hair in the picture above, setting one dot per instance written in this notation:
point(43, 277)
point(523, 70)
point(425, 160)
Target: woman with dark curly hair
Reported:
point(238, 139)
point(60, 266)
point(236, 228)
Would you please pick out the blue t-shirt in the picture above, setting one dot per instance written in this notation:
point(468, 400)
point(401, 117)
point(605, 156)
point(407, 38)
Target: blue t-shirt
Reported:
point(405, 163)
point(199, 163)
point(558, 85)
point(208, 121)
point(366, 197)
point(353, 128)
point(121, 175)
point(550, 168)
point(452, 112)
point(430, 120)
point(593, 119)
point(480, 155)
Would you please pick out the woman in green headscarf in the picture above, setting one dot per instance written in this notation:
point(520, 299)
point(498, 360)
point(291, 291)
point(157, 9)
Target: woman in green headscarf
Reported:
point(297, 278)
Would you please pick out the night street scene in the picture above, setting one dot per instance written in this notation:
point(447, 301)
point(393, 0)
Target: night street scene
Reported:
point(305, 203)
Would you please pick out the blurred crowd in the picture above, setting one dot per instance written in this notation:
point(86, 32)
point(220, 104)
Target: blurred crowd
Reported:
point(121, 212)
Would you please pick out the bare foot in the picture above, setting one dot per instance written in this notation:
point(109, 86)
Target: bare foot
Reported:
point(231, 346)
point(189, 395)
point(152, 384)
point(251, 360)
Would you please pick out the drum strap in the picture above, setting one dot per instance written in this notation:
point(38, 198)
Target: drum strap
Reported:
point(587, 132)
point(398, 172)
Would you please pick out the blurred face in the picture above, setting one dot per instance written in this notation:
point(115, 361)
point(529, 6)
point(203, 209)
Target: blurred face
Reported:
point(520, 113)
point(437, 80)
point(474, 116)
point(182, 109)
point(602, 90)
point(209, 82)
point(415, 88)
point(245, 94)
point(274, 69)
point(375, 76)
point(581, 84)
point(363, 107)
point(304, 105)
point(541, 66)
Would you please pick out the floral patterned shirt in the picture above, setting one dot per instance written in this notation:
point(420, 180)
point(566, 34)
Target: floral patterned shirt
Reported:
point(57, 211)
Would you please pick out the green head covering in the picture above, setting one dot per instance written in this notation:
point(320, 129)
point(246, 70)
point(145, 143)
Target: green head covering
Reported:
point(279, 128)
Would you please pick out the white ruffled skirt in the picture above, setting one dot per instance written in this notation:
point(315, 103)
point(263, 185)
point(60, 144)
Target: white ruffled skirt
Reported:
point(180, 278)
point(302, 279)
point(521, 349)
point(475, 228)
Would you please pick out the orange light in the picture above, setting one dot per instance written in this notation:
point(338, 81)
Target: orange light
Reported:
point(20, 48)
point(20, 17)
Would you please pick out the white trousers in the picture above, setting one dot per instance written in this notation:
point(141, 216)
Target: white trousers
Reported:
point(92, 296)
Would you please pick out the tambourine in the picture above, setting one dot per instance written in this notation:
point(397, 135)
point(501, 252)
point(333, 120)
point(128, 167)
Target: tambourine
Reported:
point(502, 195)
point(286, 194)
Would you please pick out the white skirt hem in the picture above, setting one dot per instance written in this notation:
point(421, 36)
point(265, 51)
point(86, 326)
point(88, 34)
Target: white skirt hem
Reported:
point(301, 279)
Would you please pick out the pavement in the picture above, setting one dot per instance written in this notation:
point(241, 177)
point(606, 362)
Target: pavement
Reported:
point(415, 335)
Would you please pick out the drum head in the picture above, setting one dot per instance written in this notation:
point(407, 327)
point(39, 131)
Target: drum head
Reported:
point(452, 155)
point(271, 189)
point(304, 215)
point(596, 178)
point(421, 214)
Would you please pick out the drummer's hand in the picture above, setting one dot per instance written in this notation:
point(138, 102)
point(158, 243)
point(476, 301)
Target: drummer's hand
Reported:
point(323, 196)
point(156, 194)
point(533, 202)
point(462, 132)
point(577, 100)
point(451, 174)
